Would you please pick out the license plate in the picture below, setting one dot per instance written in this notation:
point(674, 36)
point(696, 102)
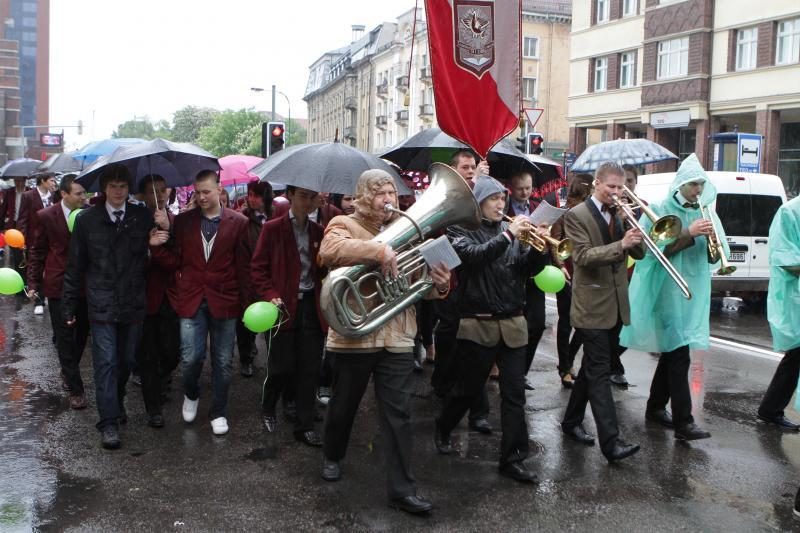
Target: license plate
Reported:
point(737, 257)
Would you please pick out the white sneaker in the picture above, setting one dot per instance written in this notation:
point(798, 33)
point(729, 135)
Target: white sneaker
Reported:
point(189, 409)
point(219, 425)
point(38, 310)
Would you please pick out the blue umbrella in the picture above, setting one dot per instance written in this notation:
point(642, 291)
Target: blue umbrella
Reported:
point(177, 163)
point(622, 151)
point(94, 150)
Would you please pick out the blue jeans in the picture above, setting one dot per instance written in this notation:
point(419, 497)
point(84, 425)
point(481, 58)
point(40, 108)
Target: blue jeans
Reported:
point(194, 332)
point(113, 354)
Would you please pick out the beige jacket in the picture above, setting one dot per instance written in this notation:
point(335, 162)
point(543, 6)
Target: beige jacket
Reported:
point(347, 242)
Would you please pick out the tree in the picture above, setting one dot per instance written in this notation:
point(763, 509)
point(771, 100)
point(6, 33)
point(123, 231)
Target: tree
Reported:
point(295, 133)
point(188, 121)
point(232, 132)
point(142, 128)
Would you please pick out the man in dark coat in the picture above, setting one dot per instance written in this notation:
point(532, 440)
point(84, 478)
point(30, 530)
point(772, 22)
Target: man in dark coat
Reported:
point(108, 252)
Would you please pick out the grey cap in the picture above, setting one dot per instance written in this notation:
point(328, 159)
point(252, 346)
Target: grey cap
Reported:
point(485, 186)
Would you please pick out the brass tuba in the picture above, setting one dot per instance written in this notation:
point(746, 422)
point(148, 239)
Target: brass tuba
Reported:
point(359, 300)
point(715, 249)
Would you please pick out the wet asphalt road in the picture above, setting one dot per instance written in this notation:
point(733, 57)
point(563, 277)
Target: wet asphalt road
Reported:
point(54, 476)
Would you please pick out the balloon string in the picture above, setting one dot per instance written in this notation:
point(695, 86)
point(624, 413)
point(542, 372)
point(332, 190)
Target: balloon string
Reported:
point(270, 334)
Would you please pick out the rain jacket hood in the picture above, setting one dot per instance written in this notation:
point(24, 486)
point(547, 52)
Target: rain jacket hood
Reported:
point(485, 186)
point(783, 299)
point(368, 185)
point(663, 320)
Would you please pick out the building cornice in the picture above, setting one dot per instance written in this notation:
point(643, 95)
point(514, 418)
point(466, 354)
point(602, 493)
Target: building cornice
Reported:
point(770, 68)
point(636, 46)
point(756, 21)
point(612, 23)
point(677, 35)
point(533, 16)
point(602, 93)
point(773, 101)
point(673, 80)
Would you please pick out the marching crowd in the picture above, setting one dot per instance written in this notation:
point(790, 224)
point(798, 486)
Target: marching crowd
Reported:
point(159, 290)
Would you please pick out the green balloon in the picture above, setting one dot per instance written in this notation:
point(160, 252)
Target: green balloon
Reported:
point(71, 219)
point(550, 279)
point(260, 316)
point(10, 281)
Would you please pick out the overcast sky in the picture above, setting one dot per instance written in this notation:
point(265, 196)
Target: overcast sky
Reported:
point(113, 60)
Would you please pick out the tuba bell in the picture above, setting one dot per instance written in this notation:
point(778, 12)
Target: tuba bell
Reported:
point(358, 300)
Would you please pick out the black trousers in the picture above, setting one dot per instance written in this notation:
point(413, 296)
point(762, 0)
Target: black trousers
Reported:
point(593, 387)
point(70, 341)
point(158, 355)
point(671, 383)
point(426, 321)
point(474, 364)
point(326, 369)
point(445, 367)
point(782, 386)
point(567, 347)
point(535, 316)
point(245, 340)
point(293, 362)
point(392, 374)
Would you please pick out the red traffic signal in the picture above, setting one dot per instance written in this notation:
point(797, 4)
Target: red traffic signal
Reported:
point(277, 131)
point(273, 136)
point(535, 143)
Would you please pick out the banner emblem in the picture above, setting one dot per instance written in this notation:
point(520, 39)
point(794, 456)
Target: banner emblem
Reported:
point(474, 35)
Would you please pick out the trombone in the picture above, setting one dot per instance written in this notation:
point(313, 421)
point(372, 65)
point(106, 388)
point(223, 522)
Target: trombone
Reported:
point(649, 240)
point(715, 249)
point(562, 249)
point(665, 229)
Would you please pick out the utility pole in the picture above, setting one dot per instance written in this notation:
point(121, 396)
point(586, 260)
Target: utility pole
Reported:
point(273, 103)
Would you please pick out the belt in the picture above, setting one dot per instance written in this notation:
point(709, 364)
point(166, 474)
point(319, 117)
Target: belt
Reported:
point(302, 294)
point(489, 316)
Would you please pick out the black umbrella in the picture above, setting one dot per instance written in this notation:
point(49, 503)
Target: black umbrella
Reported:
point(60, 163)
point(19, 168)
point(177, 163)
point(323, 167)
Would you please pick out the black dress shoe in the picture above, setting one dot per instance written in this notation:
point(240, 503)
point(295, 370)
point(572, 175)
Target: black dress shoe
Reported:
point(247, 370)
point(621, 451)
point(781, 421)
point(155, 421)
point(481, 425)
point(123, 416)
point(109, 438)
point(310, 438)
point(529, 384)
point(411, 504)
point(270, 422)
point(331, 470)
point(578, 434)
point(518, 472)
point(442, 442)
point(660, 416)
point(619, 380)
point(691, 432)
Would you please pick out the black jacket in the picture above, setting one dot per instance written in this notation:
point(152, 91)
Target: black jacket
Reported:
point(112, 262)
point(491, 280)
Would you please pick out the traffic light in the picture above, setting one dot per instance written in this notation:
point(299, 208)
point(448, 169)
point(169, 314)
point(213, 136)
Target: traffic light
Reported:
point(521, 144)
point(273, 136)
point(535, 143)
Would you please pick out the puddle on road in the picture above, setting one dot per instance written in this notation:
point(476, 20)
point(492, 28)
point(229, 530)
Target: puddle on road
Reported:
point(261, 454)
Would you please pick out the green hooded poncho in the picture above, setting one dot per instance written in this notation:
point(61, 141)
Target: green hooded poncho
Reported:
point(662, 320)
point(783, 300)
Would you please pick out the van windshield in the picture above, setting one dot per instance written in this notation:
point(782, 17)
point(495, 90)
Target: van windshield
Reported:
point(746, 215)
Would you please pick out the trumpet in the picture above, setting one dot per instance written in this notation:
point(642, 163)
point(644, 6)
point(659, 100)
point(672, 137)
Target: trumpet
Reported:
point(665, 229)
point(715, 249)
point(650, 241)
point(563, 248)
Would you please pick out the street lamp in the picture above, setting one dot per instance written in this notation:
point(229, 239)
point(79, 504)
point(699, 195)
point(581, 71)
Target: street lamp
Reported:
point(288, 103)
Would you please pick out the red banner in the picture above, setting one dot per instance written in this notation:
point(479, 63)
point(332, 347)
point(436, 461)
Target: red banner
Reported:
point(475, 57)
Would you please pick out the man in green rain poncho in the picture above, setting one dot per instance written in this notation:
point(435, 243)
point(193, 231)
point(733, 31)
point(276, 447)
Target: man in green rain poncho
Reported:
point(662, 320)
point(783, 311)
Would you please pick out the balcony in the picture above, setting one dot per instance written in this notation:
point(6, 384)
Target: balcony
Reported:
point(401, 116)
point(383, 89)
point(350, 102)
point(402, 83)
point(381, 121)
point(425, 73)
point(426, 110)
point(350, 132)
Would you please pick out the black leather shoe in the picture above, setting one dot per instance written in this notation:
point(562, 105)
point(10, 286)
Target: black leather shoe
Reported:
point(619, 380)
point(691, 432)
point(331, 470)
point(123, 416)
point(519, 472)
point(155, 421)
point(270, 422)
point(578, 434)
point(411, 504)
point(781, 421)
point(310, 438)
point(621, 451)
point(442, 442)
point(481, 425)
point(529, 384)
point(660, 416)
point(109, 438)
point(247, 370)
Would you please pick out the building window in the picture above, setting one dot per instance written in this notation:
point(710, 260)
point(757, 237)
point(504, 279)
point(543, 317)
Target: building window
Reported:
point(600, 74)
point(529, 89)
point(788, 45)
point(628, 8)
point(29, 7)
point(627, 69)
point(603, 10)
point(686, 143)
point(673, 58)
point(746, 48)
point(530, 47)
point(789, 157)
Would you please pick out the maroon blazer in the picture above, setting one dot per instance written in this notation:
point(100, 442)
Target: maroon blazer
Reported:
point(223, 281)
point(8, 208)
point(160, 282)
point(29, 205)
point(275, 267)
point(47, 256)
point(326, 212)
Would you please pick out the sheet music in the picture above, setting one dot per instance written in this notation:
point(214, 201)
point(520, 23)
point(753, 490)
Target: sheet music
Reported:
point(439, 250)
point(546, 214)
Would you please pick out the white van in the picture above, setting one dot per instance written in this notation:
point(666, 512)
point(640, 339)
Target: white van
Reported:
point(746, 204)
